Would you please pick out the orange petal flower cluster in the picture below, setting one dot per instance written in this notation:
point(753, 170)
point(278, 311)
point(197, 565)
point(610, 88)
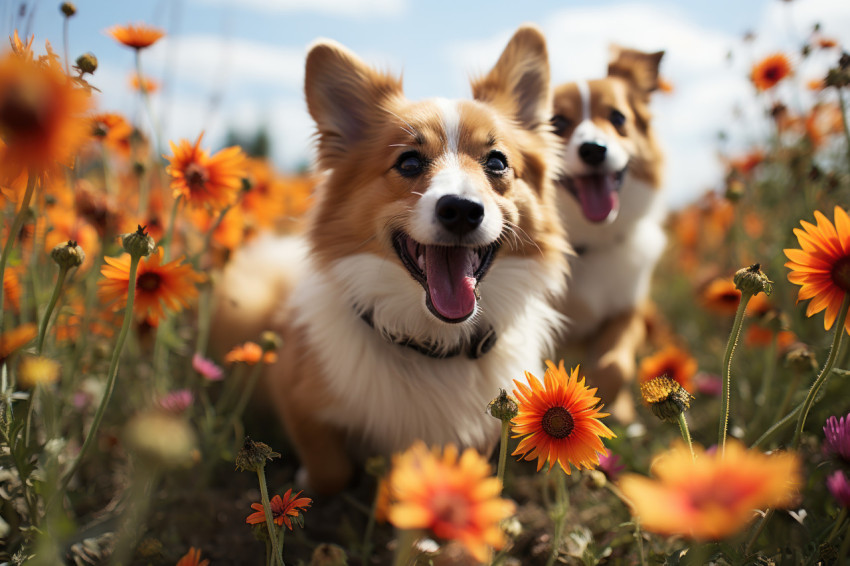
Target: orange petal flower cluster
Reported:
point(769, 71)
point(206, 180)
point(453, 495)
point(672, 361)
point(137, 36)
point(559, 420)
point(713, 496)
point(282, 509)
point(192, 558)
point(249, 353)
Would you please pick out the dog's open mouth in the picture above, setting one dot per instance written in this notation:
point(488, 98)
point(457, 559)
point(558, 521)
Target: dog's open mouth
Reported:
point(598, 194)
point(449, 274)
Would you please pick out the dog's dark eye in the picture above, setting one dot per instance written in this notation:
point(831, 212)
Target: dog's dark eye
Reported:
point(410, 164)
point(617, 118)
point(560, 124)
point(496, 162)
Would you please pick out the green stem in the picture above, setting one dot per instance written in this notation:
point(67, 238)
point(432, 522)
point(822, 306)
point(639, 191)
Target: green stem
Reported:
point(757, 532)
point(267, 508)
point(247, 391)
point(845, 546)
point(45, 321)
point(786, 399)
point(366, 554)
point(636, 518)
point(837, 525)
point(503, 452)
point(560, 515)
point(143, 193)
point(404, 548)
point(13, 235)
point(686, 434)
point(824, 373)
point(111, 379)
point(727, 370)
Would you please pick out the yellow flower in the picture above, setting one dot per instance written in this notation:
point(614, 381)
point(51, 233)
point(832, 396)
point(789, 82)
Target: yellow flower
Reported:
point(37, 370)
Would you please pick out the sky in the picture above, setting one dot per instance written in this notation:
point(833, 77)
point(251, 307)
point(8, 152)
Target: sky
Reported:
point(227, 65)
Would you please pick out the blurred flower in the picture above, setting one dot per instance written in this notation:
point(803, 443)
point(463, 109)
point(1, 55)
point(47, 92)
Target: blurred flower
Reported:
point(11, 290)
point(16, 339)
point(760, 336)
point(709, 384)
point(206, 180)
point(192, 558)
point(41, 116)
point(672, 362)
point(559, 420)
point(282, 509)
point(770, 70)
point(207, 368)
point(711, 496)
point(721, 296)
point(20, 48)
point(665, 86)
point(177, 401)
point(454, 496)
point(161, 439)
point(114, 131)
point(816, 84)
point(823, 120)
point(610, 464)
point(137, 36)
point(150, 85)
point(158, 286)
point(826, 42)
point(822, 266)
point(745, 164)
point(837, 437)
point(249, 353)
point(839, 487)
point(37, 370)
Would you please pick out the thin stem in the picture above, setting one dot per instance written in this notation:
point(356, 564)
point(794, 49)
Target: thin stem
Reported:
point(404, 548)
point(267, 508)
point(757, 532)
point(560, 514)
point(824, 373)
point(636, 518)
point(843, 105)
point(837, 525)
point(845, 546)
point(253, 377)
point(366, 553)
point(45, 321)
point(143, 193)
point(503, 452)
point(727, 370)
point(13, 235)
point(169, 233)
point(65, 43)
point(110, 382)
point(686, 434)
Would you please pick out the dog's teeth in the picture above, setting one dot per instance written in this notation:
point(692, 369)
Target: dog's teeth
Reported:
point(421, 262)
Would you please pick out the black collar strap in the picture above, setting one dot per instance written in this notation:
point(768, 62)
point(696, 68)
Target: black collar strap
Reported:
point(482, 342)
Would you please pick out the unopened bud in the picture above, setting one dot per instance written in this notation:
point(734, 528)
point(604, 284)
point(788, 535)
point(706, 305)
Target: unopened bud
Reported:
point(138, 243)
point(752, 281)
point(800, 358)
point(87, 63)
point(68, 255)
point(666, 398)
point(68, 9)
point(253, 455)
point(270, 341)
point(503, 407)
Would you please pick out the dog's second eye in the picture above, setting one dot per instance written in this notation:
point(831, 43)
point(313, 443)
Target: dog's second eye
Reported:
point(410, 164)
point(496, 162)
point(560, 124)
point(617, 119)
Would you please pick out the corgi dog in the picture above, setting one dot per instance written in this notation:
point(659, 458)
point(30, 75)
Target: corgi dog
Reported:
point(425, 279)
point(610, 201)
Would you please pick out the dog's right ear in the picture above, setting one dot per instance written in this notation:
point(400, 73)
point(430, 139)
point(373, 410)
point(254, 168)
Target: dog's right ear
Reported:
point(343, 95)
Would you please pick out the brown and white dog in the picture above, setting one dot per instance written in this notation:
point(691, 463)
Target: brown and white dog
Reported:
point(609, 200)
point(425, 281)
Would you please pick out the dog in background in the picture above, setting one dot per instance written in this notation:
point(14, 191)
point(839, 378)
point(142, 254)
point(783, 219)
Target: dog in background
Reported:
point(425, 281)
point(609, 201)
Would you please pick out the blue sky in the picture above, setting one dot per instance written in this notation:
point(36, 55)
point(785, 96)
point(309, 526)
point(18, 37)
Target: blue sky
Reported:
point(239, 64)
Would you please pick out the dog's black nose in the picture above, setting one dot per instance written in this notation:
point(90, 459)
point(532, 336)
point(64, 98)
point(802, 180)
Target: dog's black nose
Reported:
point(592, 153)
point(459, 215)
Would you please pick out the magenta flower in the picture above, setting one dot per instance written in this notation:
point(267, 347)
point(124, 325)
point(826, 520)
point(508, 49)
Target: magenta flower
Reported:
point(207, 368)
point(839, 487)
point(609, 464)
point(177, 401)
point(837, 437)
point(708, 384)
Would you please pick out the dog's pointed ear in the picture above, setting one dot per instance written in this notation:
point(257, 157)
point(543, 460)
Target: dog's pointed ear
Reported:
point(638, 67)
point(343, 94)
point(519, 82)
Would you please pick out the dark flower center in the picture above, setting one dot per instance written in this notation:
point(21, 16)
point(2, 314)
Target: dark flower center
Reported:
point(772, 73)
point(841, 274)
point(20, 116)
point(449, 510)
point(148, 281)
point(558, 422)
point(196, 176)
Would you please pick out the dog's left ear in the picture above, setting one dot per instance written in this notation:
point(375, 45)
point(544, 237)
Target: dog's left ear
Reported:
point(637, 67)
point(519, 82)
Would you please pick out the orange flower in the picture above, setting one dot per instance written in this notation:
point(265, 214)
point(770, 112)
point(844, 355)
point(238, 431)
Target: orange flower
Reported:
point(16, 339)
point(249, 353)
point(192, 558)
point(453, 495)
point(20, 48)
point(205, 180)
point(721, 296)
point(150, 85)
point(822, 266)
point(746, 163)
point(713, 496)
point(11, 290)
point(282, 509)
point(770, 70)
point(158, 286)
point(41, 116)
point(559, 420)
point(823, 121)
point(672, 362)
point(137, 36)
point(114, 130)
point(665, 86)
point(760, 336)
point(816, 84)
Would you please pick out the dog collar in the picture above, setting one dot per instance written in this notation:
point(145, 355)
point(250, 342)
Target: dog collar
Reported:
point(481, 342)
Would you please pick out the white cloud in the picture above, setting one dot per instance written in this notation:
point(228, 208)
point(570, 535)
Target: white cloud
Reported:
point(347, 8)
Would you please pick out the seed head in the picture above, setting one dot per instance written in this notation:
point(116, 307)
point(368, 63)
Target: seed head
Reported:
point(665, 398)
point(138, 243)
point(752, 281)
point(253, 455)
point(68, 9)
point(68, 255)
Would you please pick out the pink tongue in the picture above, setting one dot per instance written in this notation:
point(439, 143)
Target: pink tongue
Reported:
point(597, 195)
point(451, 284)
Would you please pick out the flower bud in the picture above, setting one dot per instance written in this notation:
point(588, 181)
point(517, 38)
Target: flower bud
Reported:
point(68, 9)
point(270, 341)
point(752, 281)
point(503, 407)
point(253, 455)
point(327, 554)
point(87, 63)
point(138, 243)
point(665, 398)
point(68, 255)
point(801, 359)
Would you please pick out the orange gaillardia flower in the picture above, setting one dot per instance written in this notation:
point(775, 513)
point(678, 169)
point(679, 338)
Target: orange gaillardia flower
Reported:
point(158, 286)
point(770, 70)
point(16, 339)
point(249, 353)
point(192, 558)
point(150, 85)
point(453, 495)
point(206, 180)
point(41, 116)
point(282, 509)
point(559, 420)
point(672, 362)
point(137, 36)
point(712, 496)
point(822, 266)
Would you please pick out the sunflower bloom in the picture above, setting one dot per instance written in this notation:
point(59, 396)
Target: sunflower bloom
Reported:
point(769, 71)
point(137, 36)
point(822, 266)
point(192, 558)
point(713, 496)
point(559, 420)
point(206, 180)
point(672, 362)
point(282, 509)
point(158, 286)
point(453, 495)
